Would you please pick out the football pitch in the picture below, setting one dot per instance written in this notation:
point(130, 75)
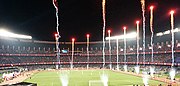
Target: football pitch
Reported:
point(82, 78)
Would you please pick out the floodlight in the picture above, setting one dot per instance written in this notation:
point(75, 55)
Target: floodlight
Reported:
point(159, 34)
point(55, 34)
point(137, 22)
point(109, 31)
point(127, 36)
point(124, 27)
point(6, 33)
point(172, 12)
point(176, 30)
point(167, 32)
point(73, 39)
point(87, 35)
point(151, 7)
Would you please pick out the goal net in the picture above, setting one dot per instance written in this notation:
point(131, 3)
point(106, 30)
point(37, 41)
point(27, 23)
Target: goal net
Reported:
point(95, 83)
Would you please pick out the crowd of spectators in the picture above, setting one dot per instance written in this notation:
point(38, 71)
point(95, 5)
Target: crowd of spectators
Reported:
point(23, 52)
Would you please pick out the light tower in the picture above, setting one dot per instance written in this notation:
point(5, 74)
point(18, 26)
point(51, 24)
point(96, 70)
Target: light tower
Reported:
point(109, 35)
point(87, 36)
point(125, 60)
point(137, 41)
point(73, 40)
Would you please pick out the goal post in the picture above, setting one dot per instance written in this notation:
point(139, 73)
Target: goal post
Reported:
point(95, 83)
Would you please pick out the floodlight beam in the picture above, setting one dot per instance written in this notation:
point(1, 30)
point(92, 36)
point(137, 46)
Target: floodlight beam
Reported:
point(6, 33)
point(127, 36)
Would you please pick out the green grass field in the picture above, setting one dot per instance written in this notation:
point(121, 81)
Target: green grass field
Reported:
point(0, 78)
point(82, 77)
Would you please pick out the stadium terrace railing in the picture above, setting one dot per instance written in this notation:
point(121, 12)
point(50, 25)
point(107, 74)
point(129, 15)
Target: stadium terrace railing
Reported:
point(64, 63)
point(80, 54)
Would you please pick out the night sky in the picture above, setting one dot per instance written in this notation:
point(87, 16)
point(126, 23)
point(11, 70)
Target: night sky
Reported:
point(78, 17)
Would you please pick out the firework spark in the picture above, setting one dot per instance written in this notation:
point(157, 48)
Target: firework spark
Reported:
point(104, 27)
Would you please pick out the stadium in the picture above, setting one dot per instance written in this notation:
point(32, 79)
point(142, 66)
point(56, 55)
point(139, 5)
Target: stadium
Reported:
point(139, 58)
point(38, 60)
